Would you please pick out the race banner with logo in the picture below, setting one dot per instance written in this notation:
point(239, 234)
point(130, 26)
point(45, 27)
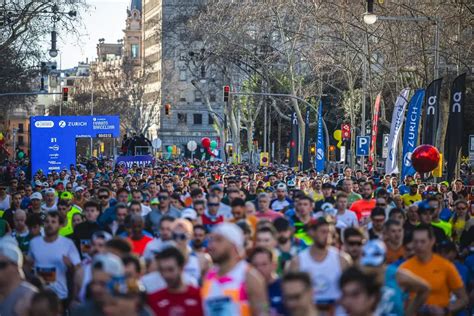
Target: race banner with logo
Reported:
point(294, 135)
point(391, 164)
point(306, 156)
point(320, 148)
point(375, 127)
point(431, 117)
point(455, 124)
point(127, 162)
point(410, 136)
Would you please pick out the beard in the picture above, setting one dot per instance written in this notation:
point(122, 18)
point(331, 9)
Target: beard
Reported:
point(366, 196)
point(197, 243)
point(283, 239)
point(221, 258)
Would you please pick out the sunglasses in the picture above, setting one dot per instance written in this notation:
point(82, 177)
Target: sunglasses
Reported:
point(103, 197)
point(180, 236)
point(354, 243)
point(162, 197)
point(212, 204)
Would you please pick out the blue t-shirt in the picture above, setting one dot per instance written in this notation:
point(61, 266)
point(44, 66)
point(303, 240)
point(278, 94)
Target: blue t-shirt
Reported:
point(464, 273)
point(403, 189)
point(276, 298)
point(393, 299)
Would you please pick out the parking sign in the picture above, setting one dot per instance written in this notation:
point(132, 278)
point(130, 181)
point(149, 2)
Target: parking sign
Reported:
point(363, 145)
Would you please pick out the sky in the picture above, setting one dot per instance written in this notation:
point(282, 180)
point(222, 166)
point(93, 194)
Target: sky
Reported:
point(104, 19)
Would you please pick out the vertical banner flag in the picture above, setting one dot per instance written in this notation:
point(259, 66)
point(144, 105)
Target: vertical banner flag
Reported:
point(320, 148)
point(306, 156)
point(391, 164)
point(410, 136)
point(455, 124)
point(375, 127)
point(294, 135)
point(431, 117)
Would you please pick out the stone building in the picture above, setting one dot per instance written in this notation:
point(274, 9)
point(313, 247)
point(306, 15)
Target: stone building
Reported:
point(168, 50)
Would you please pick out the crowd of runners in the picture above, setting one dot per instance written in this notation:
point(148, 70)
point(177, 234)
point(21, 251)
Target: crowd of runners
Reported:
point(205, 238)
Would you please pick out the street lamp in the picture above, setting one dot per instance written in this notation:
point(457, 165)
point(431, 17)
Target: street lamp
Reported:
point(53, 52)
point(370, 18)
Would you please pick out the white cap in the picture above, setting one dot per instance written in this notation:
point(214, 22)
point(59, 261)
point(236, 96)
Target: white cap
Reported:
point(78, 188)
point(36, 196)
point(110, 264)
point(49, 191)
point(189, 213)
point(281, 186)
point(232, 233)
point(9, 249)
point(38, 183)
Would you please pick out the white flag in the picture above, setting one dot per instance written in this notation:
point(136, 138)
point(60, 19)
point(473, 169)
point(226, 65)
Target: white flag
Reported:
point(391, 164)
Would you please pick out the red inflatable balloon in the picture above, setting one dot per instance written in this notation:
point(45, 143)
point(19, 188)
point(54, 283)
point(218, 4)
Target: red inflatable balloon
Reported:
point(425, 158)
point(206, 142)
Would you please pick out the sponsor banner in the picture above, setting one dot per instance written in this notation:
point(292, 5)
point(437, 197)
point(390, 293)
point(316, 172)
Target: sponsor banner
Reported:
point(306, 154)
point(53, 138)
point(455, 133)
point(391, 164)
point(128, 162)
point(320, 146)
point(375, 126)
point(294, 136)
point(431, 117)
point(410, 136)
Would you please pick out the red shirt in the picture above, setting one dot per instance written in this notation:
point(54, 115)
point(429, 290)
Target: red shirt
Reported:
point(271, 215)
point(138, 246)
point(209, 222)
point(363, 208)
point(164, 303)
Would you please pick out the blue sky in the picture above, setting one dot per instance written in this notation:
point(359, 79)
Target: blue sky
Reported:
point(104, 19)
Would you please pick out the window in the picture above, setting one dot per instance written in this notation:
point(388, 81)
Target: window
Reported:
point(197, 118)
point(212, 96)
point(20, 128)
point(135, 51)
point(21, 141)
point(210, 119)
point(197, 96)
point(182, 118)
point(182, 75)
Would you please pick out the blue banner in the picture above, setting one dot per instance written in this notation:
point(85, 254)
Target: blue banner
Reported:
point(53, 138)
point(128, 162)
point(410, 136)
point(320, 147)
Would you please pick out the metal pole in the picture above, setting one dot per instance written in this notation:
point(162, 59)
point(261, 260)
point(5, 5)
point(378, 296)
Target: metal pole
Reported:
point(14, 143)
point(364, 92)
point(61, 108)
point(265, 127)
point(92, 110)
point(436, 52)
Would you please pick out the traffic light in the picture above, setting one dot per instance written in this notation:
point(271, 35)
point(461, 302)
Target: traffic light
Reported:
point(65, 94)
point(167, 109)
point(312, 149)
point(226, 93)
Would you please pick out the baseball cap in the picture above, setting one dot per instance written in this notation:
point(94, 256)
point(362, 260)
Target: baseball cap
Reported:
point(49, 191)
point(445, 183)
point(189, 213)
point(373, 253)
point(424, 207)
point(78, 188)
point(9, 249)
point(327, 185)
point(110, 264)
point(232, 233)
point(154, 201)
point(36, 196)
point(38, 183)
point(216, 187)
point(281, 186)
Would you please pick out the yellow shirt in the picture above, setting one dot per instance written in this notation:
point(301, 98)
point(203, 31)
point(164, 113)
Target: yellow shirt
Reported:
point(410, 199)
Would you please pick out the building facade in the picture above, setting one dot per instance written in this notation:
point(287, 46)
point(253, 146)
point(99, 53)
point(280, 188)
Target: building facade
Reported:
point(168, 53)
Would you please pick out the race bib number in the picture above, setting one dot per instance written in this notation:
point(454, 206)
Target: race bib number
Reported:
point(219, 306)
point(47, 274)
